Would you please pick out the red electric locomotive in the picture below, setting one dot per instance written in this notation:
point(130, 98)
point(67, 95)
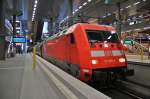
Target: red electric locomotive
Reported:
point(87, 51)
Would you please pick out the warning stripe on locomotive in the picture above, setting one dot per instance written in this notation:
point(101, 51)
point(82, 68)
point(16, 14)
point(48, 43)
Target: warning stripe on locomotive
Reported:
point(107, 53)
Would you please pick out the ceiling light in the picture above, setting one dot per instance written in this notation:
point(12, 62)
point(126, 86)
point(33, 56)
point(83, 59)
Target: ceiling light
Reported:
point(80, 7)
point(89, 0)
point(35, 5)
point(144, 0)
point(33, 13)
point(108, 14)
point(76, 10)
point(128, 6)
point(36, 1)
point(136, 3)
point(104, 16)
point(85, 3)
point(34, 9)
point(121, 9)
point(146, 28)
point(73, 12)
point(17, 21)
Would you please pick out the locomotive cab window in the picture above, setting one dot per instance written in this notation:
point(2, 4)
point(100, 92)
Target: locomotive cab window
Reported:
point(72, 40)
point(101, 36)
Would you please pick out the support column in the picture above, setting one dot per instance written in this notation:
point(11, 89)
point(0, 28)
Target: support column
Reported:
point(2, 32)
point(119, 19)
point(70, 7)
point(51, 26)
point(70, 10)
point(14, 25)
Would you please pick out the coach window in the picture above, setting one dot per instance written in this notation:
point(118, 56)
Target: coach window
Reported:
point(72, 40)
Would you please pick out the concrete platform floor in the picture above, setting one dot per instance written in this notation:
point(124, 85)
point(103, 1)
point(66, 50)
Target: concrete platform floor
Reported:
point(19, 81)
point(137, 58)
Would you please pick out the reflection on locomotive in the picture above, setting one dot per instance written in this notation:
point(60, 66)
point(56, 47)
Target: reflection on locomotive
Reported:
point(87, 51)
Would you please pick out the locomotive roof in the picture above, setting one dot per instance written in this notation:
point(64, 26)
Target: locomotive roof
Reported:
point(71, 29)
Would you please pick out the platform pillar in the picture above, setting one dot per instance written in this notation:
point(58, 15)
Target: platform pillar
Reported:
point(2, 31)
point(119, 19)
point(70, 7)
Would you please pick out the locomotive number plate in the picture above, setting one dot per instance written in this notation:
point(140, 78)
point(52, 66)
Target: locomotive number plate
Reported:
point(110, 60)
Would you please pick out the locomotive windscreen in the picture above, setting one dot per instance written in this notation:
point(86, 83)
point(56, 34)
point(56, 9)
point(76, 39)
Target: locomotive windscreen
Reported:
point(102, 36)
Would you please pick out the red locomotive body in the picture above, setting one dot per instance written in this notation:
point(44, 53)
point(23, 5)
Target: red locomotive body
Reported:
point(85, 49)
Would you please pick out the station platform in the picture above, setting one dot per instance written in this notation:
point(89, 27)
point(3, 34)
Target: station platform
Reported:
point(137, 58)
point(20, 81)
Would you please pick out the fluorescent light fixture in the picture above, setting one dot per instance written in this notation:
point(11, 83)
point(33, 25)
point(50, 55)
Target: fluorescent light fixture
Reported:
point(146, 28)
point(36, 1)
point(80, 7)
point(34, 9)
point(131, 23)
point(18, 28)
point(104, 16)
point(137, 29)
point(128, 6)
point(89, 0)
point(17, 21)
point(76, 10)
point(33, 14)
point(35, 5)
point(144, 0)
point(85, 3)
point(136, 3)
point(108, 14)
point(121, 9)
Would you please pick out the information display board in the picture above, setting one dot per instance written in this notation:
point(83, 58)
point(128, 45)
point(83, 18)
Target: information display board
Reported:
point(19, 40)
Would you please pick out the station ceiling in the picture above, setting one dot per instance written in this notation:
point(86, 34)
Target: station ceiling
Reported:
point(47, 9)
point(55, 8)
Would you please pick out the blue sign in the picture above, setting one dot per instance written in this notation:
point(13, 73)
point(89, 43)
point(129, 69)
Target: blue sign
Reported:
point(19, 40)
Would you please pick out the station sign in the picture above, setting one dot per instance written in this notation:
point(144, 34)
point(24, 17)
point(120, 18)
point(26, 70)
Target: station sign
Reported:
point(128, 42)
point(19, 40)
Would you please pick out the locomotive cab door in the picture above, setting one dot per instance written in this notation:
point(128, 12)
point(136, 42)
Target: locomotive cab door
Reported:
point(72, 55)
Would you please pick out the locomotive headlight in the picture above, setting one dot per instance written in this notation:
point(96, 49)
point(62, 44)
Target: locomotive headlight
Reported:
point(122, 60)
point(105, 45)
point(94, 62)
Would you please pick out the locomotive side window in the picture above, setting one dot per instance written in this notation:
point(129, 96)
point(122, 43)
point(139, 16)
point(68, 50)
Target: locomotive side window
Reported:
point(101, 36)
point(72, 40)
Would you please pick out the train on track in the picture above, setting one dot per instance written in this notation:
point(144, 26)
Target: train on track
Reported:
point(87, 51)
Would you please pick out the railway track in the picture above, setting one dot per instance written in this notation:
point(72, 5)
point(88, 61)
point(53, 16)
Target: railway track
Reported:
point(120, 90)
